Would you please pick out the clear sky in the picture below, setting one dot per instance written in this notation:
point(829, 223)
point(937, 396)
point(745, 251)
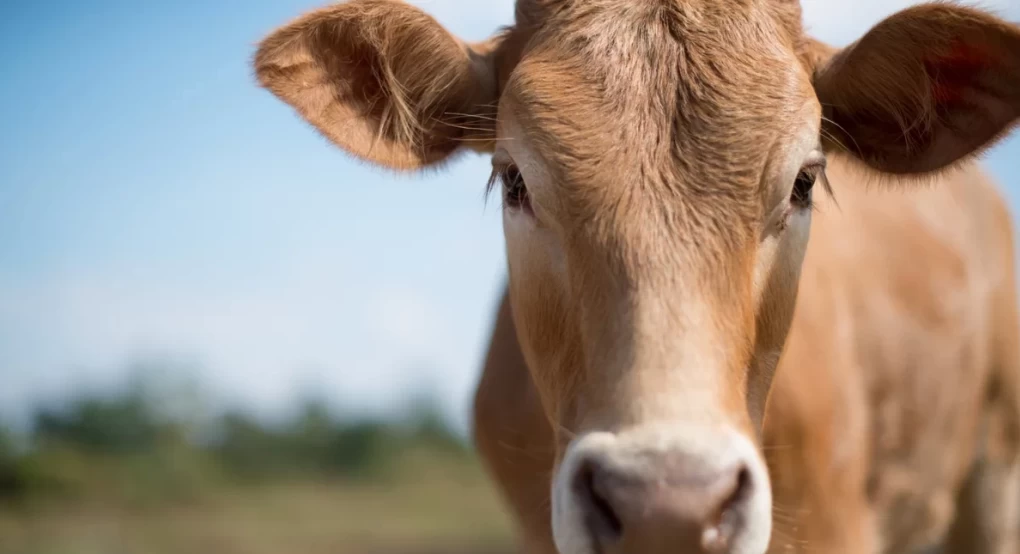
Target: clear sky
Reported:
point(154, 201)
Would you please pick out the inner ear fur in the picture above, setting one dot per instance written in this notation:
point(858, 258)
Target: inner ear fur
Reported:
point(384, 81)
point(928, 87)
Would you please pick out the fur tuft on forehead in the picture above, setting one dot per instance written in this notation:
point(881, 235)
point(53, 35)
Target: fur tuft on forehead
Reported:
point(665, 89)
point(666, 109)
point(532, 14)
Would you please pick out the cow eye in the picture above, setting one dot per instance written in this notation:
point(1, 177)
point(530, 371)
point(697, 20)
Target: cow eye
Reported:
point(801, 195)
point(515, 192)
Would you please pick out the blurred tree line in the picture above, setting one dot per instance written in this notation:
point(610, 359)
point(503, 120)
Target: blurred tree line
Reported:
point(144, 445)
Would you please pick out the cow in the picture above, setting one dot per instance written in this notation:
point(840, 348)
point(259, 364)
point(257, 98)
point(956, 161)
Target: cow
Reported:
point(761, 295)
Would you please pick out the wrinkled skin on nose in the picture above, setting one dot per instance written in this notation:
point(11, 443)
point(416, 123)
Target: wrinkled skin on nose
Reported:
point(682, 502)
point(660, 488)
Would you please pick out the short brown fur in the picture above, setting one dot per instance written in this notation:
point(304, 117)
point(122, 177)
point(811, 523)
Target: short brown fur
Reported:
point(874, 367)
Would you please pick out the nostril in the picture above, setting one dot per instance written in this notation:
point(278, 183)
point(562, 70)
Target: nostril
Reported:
point(741, 491)
point(743, 484)
point(600, 517)
point(727, 521)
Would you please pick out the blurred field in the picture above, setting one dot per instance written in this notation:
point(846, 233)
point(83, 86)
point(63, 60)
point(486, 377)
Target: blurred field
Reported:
point(111, 476)
point(442, 510)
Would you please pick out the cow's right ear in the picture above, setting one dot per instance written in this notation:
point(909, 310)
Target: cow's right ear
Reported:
point(383, 81)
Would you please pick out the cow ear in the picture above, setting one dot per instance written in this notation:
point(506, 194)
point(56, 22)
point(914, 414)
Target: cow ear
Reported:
point(927, 87)
point(383, 81)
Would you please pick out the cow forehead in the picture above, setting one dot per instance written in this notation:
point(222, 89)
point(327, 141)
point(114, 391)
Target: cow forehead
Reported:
point(691, 103)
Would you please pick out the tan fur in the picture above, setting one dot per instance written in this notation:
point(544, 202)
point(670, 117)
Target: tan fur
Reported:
point(662, 279)
point(890, 371)
point(893, 384)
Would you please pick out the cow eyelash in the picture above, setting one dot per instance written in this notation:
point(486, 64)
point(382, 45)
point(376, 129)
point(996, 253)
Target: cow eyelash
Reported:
point(802, 194)
point(514, 189)
point(802, 186)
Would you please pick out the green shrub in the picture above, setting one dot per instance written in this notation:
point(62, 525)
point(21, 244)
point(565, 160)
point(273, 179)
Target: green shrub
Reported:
point(123, 448)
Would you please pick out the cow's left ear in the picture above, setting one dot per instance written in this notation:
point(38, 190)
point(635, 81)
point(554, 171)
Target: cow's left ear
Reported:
point(923, 89)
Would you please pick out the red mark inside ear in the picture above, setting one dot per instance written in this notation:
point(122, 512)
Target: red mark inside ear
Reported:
point(955, 69)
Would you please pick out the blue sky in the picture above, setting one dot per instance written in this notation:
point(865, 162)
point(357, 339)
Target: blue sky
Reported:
point(154, 201)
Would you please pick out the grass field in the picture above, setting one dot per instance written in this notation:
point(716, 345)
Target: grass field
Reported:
point(112, 473)
point(430, 507)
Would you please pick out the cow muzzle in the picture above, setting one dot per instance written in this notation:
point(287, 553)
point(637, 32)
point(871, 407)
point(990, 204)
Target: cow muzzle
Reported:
point(662, 488)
